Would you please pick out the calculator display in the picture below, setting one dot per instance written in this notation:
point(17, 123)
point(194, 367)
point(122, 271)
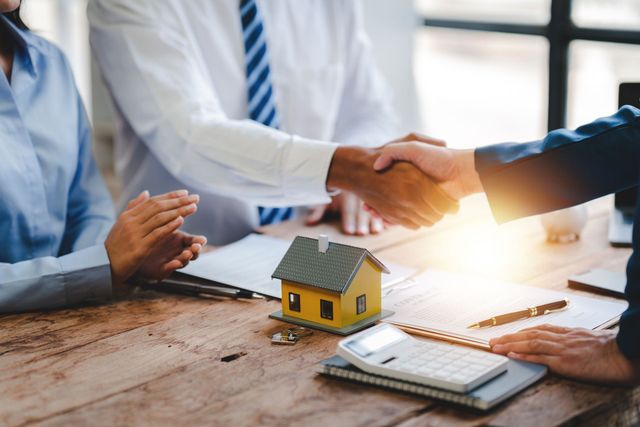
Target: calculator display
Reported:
point(376, 341)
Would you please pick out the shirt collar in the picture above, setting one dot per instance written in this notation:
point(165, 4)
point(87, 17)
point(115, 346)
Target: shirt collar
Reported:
point(24, 43)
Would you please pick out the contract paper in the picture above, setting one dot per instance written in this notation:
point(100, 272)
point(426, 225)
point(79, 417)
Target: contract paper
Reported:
point(444, 304)
point(248, 264)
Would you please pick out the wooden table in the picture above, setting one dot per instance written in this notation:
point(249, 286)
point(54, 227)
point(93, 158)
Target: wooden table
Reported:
point(154, 359)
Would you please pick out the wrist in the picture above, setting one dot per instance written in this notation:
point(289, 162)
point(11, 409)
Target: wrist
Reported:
point(347, 165)
point(465, 165)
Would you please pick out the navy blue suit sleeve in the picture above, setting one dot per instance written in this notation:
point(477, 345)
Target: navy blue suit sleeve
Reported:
point(566, 168)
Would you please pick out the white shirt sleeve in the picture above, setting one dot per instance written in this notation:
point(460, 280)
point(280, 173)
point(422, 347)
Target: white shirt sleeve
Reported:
point(160, 86)
point(366, 116)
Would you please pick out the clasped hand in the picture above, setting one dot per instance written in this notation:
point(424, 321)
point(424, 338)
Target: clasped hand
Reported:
point(146, 241)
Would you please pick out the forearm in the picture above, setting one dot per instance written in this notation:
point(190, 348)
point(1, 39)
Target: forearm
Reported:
point(47, 283)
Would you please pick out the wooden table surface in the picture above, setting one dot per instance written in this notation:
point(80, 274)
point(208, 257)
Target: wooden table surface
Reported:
point(154, 359)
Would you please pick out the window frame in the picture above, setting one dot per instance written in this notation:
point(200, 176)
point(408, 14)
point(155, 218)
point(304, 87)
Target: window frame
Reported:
point(322, 312)
point(297, 298)
point(560, 31)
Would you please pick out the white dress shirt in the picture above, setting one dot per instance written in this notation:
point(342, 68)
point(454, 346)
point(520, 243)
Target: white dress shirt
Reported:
point(176, 71)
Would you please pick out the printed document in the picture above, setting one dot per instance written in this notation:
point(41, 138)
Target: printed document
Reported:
point(444, 304)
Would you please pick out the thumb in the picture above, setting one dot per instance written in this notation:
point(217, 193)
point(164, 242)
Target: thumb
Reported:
point(391, 153)
point(316, 214)
point(141, 198)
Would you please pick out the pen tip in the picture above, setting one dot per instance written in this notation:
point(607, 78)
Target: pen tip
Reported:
point(473, 326)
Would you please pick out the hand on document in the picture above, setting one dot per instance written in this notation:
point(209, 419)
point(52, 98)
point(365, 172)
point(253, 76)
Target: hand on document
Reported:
point(572, 352)
point(355, 219)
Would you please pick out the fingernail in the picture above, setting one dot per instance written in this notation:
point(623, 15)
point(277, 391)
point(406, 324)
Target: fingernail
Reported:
point(349, 229)
point(181, 193)
point(194, 198)
point(145, 193)
point(196, 247)
point(363, 229)
point(512, 355)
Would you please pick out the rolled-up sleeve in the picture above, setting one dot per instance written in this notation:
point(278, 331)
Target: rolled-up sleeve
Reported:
point(49, 282)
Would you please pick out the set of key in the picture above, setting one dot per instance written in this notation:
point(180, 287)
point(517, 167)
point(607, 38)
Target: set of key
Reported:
point(290, 336)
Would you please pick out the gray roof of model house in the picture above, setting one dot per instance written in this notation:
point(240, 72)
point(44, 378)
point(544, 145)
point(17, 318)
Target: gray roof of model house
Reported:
point(333, 270)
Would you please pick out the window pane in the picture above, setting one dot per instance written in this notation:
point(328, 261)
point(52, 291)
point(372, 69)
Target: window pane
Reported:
point(477, 88)
point(361, 304)
point(521, 11)
point(294, 302)
point(614, 14)
point(596, 70)
point(326, 309)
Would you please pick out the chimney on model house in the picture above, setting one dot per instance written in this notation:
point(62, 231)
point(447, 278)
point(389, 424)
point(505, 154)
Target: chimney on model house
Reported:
point(323, 243)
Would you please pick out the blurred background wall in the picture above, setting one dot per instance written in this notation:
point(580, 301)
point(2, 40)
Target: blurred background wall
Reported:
point(470, 88)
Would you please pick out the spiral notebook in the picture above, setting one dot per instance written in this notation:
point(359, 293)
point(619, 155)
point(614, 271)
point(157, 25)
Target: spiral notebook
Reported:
point(519, 375)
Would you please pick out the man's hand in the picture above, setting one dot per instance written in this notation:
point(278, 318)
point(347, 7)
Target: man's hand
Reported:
point(144, 225)
point(576, 353)
point(454, 170)
point(400, 194)
point(354, 217)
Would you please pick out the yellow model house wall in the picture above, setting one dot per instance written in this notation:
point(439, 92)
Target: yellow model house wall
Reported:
point(310, 303)
point(368, 281)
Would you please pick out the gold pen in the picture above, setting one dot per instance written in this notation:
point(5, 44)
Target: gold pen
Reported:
point(522, 314)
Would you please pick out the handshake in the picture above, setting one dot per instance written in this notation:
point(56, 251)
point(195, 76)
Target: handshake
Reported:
point(413, 181)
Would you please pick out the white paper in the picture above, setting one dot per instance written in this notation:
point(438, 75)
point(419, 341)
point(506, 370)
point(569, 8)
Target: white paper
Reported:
point(447, 303)
point(249, 263)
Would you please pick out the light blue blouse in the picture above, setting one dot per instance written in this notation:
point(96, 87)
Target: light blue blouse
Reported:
point(55, 210)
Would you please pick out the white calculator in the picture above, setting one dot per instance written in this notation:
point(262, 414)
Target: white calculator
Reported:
point(387, 351)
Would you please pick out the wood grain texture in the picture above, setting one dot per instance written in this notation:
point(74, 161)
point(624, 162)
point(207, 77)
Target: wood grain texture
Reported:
point(154, 359)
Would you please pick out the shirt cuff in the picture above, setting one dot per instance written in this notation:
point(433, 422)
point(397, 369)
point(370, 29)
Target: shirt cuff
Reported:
point(306, 168)
point(87, 274)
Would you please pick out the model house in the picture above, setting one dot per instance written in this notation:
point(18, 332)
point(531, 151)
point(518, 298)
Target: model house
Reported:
point(329, 286)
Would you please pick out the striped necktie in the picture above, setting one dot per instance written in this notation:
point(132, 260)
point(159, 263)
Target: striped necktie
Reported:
point(262, 107)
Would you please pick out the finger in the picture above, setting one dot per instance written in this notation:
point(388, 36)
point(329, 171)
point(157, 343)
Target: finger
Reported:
point(184, 257)
point(160, 233)
point(535, 346)
point(170, 266)
point(167, 196)
point(165, 217)
point(154, 206)
point(377, 224)
point(349, 214)
point(526, 335)
point(407, 223)
point(439, 201)
point(393, 152)
point(316, 214)
point(550, 361)
point(414, 136)
point(549, 328)
point(135, 202)
point(195, 249)
point(363, 220)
